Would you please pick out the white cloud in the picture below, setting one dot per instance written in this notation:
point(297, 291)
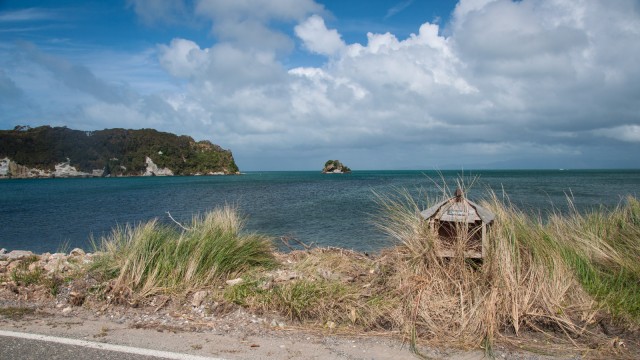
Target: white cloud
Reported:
point(628, 133)
point(183, 58)
point(397, 8)
point(317, 38)
point(30, 14)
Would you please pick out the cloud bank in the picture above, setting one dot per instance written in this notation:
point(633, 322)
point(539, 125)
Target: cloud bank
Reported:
point(512, 84)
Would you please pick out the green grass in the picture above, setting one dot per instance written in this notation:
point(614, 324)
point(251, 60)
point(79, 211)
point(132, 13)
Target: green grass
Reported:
point(23, 276)
point(153, 258)
point(603, 247)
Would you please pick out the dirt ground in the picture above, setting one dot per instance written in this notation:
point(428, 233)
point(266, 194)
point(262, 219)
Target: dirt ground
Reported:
point(234, 335)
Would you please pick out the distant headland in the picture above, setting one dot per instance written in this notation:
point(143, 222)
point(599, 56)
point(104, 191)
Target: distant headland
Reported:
point(46, 152)
point(335, 167)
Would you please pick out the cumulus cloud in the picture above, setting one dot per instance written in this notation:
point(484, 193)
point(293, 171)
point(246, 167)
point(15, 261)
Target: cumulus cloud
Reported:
point(317, 38)
point(511, 83)
point(182, 58)
point(248, 24)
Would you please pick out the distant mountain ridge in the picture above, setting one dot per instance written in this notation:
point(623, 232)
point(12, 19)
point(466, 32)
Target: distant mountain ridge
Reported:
point(47, 151)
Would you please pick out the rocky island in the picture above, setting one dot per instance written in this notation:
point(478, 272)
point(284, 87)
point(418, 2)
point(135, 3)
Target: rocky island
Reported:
point(45, 152)
point(335, 167)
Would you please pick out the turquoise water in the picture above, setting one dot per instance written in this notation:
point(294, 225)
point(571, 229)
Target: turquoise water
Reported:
point(329, 210)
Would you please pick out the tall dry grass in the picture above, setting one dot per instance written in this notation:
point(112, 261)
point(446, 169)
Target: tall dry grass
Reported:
point(553, 277)
point(153, 258)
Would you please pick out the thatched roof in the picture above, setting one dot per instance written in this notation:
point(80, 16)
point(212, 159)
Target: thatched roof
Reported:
point(458, 209)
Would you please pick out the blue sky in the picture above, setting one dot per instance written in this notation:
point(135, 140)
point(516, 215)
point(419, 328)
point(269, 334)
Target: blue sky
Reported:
point(288, 84)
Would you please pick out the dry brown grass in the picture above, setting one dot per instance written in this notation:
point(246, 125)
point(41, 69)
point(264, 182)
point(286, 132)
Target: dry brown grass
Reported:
point(523, 281)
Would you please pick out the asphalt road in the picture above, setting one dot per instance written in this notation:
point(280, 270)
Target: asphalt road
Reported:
point(22, 346)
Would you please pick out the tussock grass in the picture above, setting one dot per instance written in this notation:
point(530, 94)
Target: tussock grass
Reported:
point(555, 277)
point(153, 258)
point(603, 247)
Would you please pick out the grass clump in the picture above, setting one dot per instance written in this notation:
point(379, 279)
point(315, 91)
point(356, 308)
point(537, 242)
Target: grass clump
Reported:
point(154, 258)
point(603, 247)
point(560, 276)
point(24, 276)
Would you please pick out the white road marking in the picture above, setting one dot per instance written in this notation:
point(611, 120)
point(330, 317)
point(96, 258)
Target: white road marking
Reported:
point(108, 347)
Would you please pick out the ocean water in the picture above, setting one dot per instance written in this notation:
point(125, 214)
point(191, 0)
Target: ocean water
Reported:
point(48, 215)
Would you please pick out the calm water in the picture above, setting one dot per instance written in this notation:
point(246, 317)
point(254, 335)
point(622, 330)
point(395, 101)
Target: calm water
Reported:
point(335, 210)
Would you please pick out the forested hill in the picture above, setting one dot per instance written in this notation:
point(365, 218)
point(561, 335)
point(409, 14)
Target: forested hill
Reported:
point(110, 152)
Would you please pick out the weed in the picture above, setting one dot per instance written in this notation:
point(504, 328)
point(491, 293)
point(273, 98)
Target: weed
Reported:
point(26, 278)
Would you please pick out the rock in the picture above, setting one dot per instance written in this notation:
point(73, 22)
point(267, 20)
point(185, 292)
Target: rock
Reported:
point(283, 276)
point(76, 298)
point(77, 252)
point(335, 167)
point(18, 254)
point(35, 266)
point(234, 282)
point(65, 170)
point(153, 170)
point(56, 262)
point(278, 324)
point(13, 265)
point(67, 310)
point(3, 251)
point(198, 298)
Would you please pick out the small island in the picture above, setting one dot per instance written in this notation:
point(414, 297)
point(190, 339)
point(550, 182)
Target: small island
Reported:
point(335, 167)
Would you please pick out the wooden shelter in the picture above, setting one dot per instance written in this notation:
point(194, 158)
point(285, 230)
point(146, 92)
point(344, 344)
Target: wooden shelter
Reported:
point(460, 219)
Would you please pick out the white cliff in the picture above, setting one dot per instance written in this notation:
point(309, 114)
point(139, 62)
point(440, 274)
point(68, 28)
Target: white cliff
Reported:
point(153, 170)
point(64, 170)
point(4, 167)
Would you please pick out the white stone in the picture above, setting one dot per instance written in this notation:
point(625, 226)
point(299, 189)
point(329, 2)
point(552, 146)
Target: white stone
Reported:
point(18, 254)
point(234, 282)
point(198, 298)
point(77, 252)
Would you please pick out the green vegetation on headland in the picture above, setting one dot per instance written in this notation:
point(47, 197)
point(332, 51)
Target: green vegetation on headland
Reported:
point(572, 281)
point(335, 167)
point(109, 152)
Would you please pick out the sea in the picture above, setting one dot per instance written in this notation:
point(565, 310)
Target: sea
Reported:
point(340, 210)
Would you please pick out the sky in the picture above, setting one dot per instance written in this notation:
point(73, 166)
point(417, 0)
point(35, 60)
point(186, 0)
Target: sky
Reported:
point(289, 84)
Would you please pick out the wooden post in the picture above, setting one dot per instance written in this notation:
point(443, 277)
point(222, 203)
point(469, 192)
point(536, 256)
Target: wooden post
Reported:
point(484, 235)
